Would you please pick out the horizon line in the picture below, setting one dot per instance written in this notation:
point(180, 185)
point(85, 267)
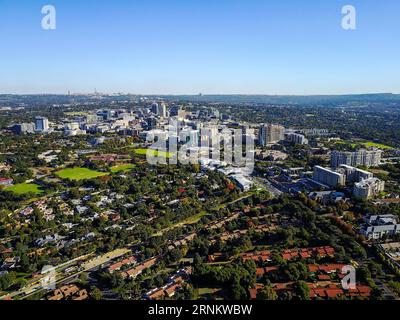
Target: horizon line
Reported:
point(197, 95)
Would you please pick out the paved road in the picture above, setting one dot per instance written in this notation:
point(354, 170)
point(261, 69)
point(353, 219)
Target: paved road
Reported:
point(270, 188)
point(37, 284)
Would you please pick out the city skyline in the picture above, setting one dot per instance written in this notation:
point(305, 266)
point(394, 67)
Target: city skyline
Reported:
point(178, 47)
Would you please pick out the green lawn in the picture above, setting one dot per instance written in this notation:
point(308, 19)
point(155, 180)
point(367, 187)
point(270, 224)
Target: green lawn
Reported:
point(79, 174)
point(376, 145)
point(25, 188)
point(155, 153)
point(122, 168)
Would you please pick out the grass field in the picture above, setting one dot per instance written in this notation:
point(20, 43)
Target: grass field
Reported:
point(122, 168)
point(376, 145)
point(143, 152)
point(25, 188)
point(367, 144)
point(79, 174)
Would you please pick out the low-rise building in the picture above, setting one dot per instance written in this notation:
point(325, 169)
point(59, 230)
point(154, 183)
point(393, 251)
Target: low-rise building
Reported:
point(6, 182)
point(378, 232)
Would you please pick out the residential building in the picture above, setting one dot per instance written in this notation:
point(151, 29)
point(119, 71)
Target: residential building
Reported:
point(368, 188)
point(23, 128)
point(328, 177)
point(270, 133)
point(378, 232)
point(295, 138)
point(378, 226)
point(354, 174)
point(362, 157)
point(6, 182)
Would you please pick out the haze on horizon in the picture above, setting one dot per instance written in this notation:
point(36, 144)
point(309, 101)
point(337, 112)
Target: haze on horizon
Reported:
point(178, 47)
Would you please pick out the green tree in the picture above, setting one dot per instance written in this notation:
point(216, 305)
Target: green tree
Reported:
point(267, 293)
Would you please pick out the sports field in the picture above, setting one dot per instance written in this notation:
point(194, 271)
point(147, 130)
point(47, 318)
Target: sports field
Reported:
point(79, 174)
point(25, 188)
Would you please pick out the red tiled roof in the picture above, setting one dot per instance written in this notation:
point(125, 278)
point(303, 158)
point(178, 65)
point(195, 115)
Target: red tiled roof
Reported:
point(313, 268)
point(324, 277)
point(260, 271)
point(333, 293)
point(271, 268)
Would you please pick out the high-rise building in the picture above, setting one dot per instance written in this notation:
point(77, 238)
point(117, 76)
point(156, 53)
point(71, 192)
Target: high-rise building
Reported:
point(23, 128)
point(353, 174)
point(296, 138)
point(189, 136)
point(329, 177)
point(163, 110)
point(270, 133)
point(41, 124)
point(154, 108)
point(159, 109)
point(362, 157)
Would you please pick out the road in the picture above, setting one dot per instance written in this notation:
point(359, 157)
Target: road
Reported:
point(267, 185)
point(36, 285)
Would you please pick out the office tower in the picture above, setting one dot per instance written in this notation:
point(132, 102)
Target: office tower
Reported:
point(41, 124)
point(163, 110)
point(328, 177)
point(368, 188)
point(270, 134)
point(362, 157)
point(159, 109)
point(154, 108)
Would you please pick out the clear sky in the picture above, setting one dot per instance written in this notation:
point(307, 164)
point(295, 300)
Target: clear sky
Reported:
point(192, 46)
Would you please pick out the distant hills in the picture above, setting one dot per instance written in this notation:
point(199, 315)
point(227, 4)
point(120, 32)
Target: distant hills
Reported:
point(327, 100)
point(300, 100)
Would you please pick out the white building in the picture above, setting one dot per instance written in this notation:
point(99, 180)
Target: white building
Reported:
point(362, 157)
point(242, 182)
point(368, 188)
point(328, 177)
point(354, 174)
point(295, 138)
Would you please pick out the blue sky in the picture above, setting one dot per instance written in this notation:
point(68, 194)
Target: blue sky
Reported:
point(192, 46)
